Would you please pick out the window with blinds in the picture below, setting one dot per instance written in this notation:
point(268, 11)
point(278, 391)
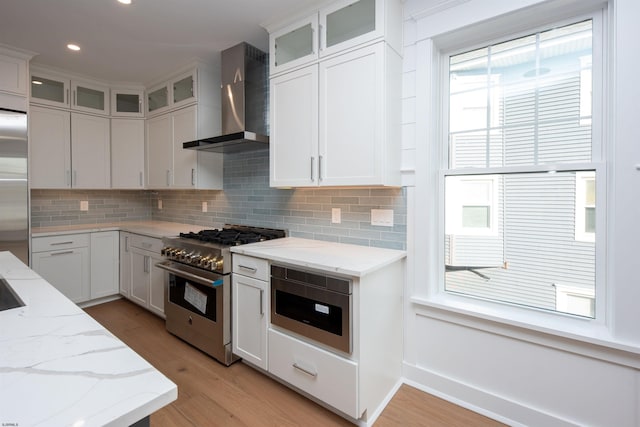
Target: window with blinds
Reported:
point(520, 177)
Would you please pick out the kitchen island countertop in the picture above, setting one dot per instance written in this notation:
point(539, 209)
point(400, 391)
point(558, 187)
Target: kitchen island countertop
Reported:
point(59, 367)
point(341, 258)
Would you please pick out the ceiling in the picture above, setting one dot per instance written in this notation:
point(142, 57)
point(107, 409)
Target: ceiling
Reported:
point(138, 43)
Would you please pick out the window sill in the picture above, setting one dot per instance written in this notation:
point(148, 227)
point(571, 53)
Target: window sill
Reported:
point(567, 333)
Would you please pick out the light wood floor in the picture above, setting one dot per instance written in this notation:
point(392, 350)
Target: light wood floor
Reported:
point(210, 394)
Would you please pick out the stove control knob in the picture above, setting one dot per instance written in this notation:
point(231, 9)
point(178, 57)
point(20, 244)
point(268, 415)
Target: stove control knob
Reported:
point(205, 262)
point(216, 263)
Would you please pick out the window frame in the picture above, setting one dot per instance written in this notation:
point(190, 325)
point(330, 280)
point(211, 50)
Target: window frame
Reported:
point(476, 305)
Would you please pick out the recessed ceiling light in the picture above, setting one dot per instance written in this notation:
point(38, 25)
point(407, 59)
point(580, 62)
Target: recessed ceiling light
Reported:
point(72, 46)
point(125, 1)
point(36, 82)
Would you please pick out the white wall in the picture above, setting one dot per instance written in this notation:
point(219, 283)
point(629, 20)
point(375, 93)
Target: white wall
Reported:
point(507, 369)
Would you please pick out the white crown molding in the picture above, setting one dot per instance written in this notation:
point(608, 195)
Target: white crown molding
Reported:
point(436, 8)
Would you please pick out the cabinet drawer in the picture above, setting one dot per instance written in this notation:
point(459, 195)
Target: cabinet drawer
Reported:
point(251, 267)
point(54, 243)
point(326, 376)
point(144, 242)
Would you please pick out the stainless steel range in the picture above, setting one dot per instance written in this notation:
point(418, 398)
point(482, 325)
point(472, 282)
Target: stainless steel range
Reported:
point(198, 289)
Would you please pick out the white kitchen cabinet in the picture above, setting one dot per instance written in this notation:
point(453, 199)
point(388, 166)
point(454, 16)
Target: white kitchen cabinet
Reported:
point(82, 266)
point(125, 265)
point(335, 28)
point(358, 381)
point(146, 280)
point(324, 375)
point(337, 123)
point(105, 271)
point(55, 90)
point(13, 71)
point(50, 148)
point(57, 160)
point(177, 92)
point(64, 261)
point(127, 102)
point(250, 297)
point(171, 166)
point(90, 152)
point(127, 153)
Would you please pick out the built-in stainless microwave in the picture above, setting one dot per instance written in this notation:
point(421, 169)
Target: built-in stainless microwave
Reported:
point(312, 305)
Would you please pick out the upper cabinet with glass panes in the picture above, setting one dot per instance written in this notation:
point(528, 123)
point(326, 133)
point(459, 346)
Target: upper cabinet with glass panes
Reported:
point(337, 27)
point(127, 102)
point(177, 92)
point(57, 91)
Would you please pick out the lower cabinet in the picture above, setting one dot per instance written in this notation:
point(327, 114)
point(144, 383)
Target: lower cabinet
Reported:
point(250, 297)
point(81, 266)
point(104, 255)
point(64, 262)
point(142, 282)
point(325, 376)
point(357, 384)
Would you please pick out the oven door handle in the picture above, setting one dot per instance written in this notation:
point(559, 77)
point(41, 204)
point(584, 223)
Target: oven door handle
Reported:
point(198, 279)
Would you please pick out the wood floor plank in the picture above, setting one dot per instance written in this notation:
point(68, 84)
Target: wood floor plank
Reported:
point(211, 394)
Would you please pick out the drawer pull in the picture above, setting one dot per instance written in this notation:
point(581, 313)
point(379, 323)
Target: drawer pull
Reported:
point(306, 371)
point(61, 253)
point(251, 269)
point(61, 243)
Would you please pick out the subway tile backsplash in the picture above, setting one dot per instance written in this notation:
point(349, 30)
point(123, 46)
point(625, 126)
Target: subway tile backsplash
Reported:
point(246, 199)
point(62, 207)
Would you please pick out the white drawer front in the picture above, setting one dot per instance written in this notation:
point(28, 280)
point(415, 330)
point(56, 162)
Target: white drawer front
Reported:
point(147, 243)
point(324, 375)
point(251, 267)
point(54, 243)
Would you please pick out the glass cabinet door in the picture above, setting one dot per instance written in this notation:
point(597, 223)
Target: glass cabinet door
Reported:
point(183, 89)
point(126, 103)
point(349, 23)
point(47, 90)
point(158, 99)
point(294, 45)
point(89, 98)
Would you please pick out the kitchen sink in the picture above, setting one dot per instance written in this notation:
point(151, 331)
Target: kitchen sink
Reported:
point(8, 298)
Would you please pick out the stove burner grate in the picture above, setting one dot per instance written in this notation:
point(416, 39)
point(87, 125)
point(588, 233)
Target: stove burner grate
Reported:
point(234, 236)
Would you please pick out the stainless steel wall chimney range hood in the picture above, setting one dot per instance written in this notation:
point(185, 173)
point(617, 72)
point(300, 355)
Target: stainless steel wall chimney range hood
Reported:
point(245, 99)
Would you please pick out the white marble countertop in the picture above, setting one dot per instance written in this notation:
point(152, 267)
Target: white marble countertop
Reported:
point(59, 367)
point(157, 229)
point(350, 260)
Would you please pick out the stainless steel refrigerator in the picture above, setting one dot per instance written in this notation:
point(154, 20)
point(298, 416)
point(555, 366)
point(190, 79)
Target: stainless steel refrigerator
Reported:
point(14, 189)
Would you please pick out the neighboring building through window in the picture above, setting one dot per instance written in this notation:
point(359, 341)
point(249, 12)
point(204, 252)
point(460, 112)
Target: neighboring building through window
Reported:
point(519, 183)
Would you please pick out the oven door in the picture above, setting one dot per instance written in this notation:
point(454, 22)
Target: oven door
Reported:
point(197, 306)
point(313, 312)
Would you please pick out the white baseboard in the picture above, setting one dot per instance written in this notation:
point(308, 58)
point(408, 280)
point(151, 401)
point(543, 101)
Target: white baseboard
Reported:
point(481, 401)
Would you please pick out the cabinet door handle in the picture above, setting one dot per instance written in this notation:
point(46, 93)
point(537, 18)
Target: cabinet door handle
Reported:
point(66, 96)
point(168, 178)
point(320, 37)
point(61, 253)
point(145, 267)
point(319, 168)
point(62, 243)
point(261, 302)
point(67, 178)
point(75, 98)
point(251, 269)
point(193, 176)
point(126, 243)
point(306, 371)
point(312, 162)
point(313, 47)
point(141, 179)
